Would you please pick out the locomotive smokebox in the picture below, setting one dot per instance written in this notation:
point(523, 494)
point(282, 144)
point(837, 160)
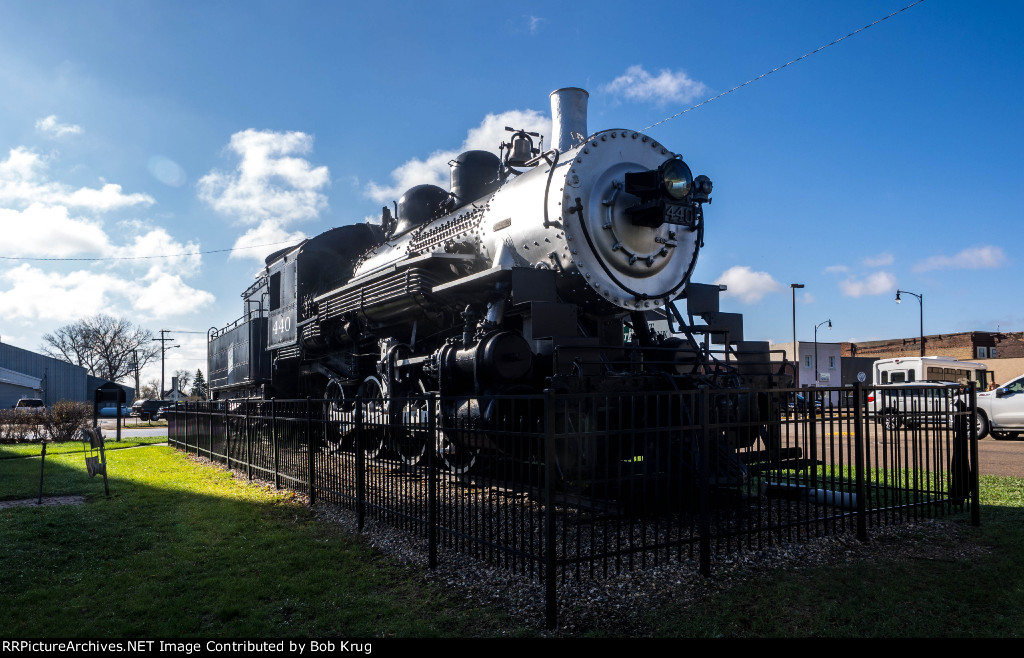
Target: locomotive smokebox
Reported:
point(568, 117)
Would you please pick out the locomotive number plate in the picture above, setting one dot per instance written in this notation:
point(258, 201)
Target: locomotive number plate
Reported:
point(679, 215)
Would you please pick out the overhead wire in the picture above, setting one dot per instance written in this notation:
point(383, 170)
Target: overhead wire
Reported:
point(653, 125)
point(187, 253)
point(779, 68)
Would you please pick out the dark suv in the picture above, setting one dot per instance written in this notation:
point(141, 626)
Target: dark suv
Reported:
point(149, 409)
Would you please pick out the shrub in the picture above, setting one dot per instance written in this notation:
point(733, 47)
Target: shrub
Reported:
point(65, 419)
point(19, 425)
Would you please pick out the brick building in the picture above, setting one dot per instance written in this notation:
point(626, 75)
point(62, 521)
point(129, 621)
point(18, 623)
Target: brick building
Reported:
point(966, 346)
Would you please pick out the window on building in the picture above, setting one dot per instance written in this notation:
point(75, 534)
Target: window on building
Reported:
point(991, 352)
point(808, 361)
point(832, 362)
point(982, 352)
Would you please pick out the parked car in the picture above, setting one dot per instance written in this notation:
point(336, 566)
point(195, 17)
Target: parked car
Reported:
point(29, 404)
point(798, 403)
point(1001, 412)
point(149, 409)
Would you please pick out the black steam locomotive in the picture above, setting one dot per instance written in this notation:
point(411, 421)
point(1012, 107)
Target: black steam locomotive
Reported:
point(538, 269)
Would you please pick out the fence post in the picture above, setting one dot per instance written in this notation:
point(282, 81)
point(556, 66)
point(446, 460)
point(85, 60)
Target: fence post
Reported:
point(550, 555)
point(277, 456)
point(858, 450)
point(248, 441)
point(42, 463)
point(227, 436)
point(431, 481)
point(360, 466)
point(174, 415)
point(973, 419)
point(311, 447)
point(704, 483)
point(812, 413)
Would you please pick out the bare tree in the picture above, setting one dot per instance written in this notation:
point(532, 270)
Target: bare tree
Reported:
point(151, 391)
point(184, 377)
point(105, 346)
point(72, 343)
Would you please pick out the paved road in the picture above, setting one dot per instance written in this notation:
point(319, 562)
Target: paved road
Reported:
point(1001, 457)
point(110, 430)
point(1005, 458)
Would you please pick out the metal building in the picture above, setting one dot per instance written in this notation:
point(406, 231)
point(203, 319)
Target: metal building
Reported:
point(25, 374)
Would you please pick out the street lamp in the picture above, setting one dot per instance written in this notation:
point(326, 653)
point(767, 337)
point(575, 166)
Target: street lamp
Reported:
point(796, 352)
point(816, 375)
point(920, 300)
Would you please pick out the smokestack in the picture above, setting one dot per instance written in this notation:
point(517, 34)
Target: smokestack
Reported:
point(568, 117)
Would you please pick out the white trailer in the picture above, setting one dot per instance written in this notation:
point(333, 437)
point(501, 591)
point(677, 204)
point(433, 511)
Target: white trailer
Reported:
point(937, 369)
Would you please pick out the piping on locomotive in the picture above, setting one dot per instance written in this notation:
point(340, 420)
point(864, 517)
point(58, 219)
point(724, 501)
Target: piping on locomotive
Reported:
point(538, 269)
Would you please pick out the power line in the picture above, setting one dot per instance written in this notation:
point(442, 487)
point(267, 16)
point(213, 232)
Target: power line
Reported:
point(187, 253)
point(779, 68)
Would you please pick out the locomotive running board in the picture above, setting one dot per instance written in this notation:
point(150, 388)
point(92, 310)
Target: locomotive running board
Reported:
point(528, 284)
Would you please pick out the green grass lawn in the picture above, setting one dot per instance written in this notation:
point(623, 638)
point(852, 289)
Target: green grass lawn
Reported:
point(18, 450)
point(184, 550)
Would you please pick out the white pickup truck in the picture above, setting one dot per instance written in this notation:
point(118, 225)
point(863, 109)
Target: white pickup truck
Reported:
point(1001, 412)
point(912, 404)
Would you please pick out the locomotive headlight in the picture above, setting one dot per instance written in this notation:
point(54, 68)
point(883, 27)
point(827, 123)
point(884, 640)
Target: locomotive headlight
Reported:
point(676, 179)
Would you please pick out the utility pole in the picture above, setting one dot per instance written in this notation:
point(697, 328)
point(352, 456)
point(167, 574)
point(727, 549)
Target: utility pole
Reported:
point(135, 366)
point(163, 351)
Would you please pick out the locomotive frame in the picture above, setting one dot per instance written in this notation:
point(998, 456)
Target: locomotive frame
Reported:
point(541, 269)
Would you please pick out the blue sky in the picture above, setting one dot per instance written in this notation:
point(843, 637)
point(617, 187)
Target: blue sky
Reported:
point(128, 129)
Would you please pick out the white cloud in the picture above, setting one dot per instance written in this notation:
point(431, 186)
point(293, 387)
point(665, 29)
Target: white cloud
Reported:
point(163, 295)
point(49, 231)
point(23, 182)
point(270, 188)
point(265, 239)
point(32, 293)
point(973, 258)
point(878, 283)
point(51, 127)
point(881, 260)
point(836, 269)
point(43, 218)
point(435, 170)
point(668, 86)
point(748, 285)
point(534, 23)
point(270, 182)
point(159, 252)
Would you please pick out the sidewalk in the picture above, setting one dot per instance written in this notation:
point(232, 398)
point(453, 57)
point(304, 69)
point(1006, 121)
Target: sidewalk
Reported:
point(109, 428)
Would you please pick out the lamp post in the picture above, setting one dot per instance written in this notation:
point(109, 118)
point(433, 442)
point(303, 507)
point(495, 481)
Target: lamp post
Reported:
point(796, 351)
point(920, 300)
point(816, 375)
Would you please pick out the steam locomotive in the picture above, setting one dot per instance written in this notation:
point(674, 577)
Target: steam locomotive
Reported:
point(538, 269)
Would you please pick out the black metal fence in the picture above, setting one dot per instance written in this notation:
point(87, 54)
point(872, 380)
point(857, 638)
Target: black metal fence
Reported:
point(560, 487)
